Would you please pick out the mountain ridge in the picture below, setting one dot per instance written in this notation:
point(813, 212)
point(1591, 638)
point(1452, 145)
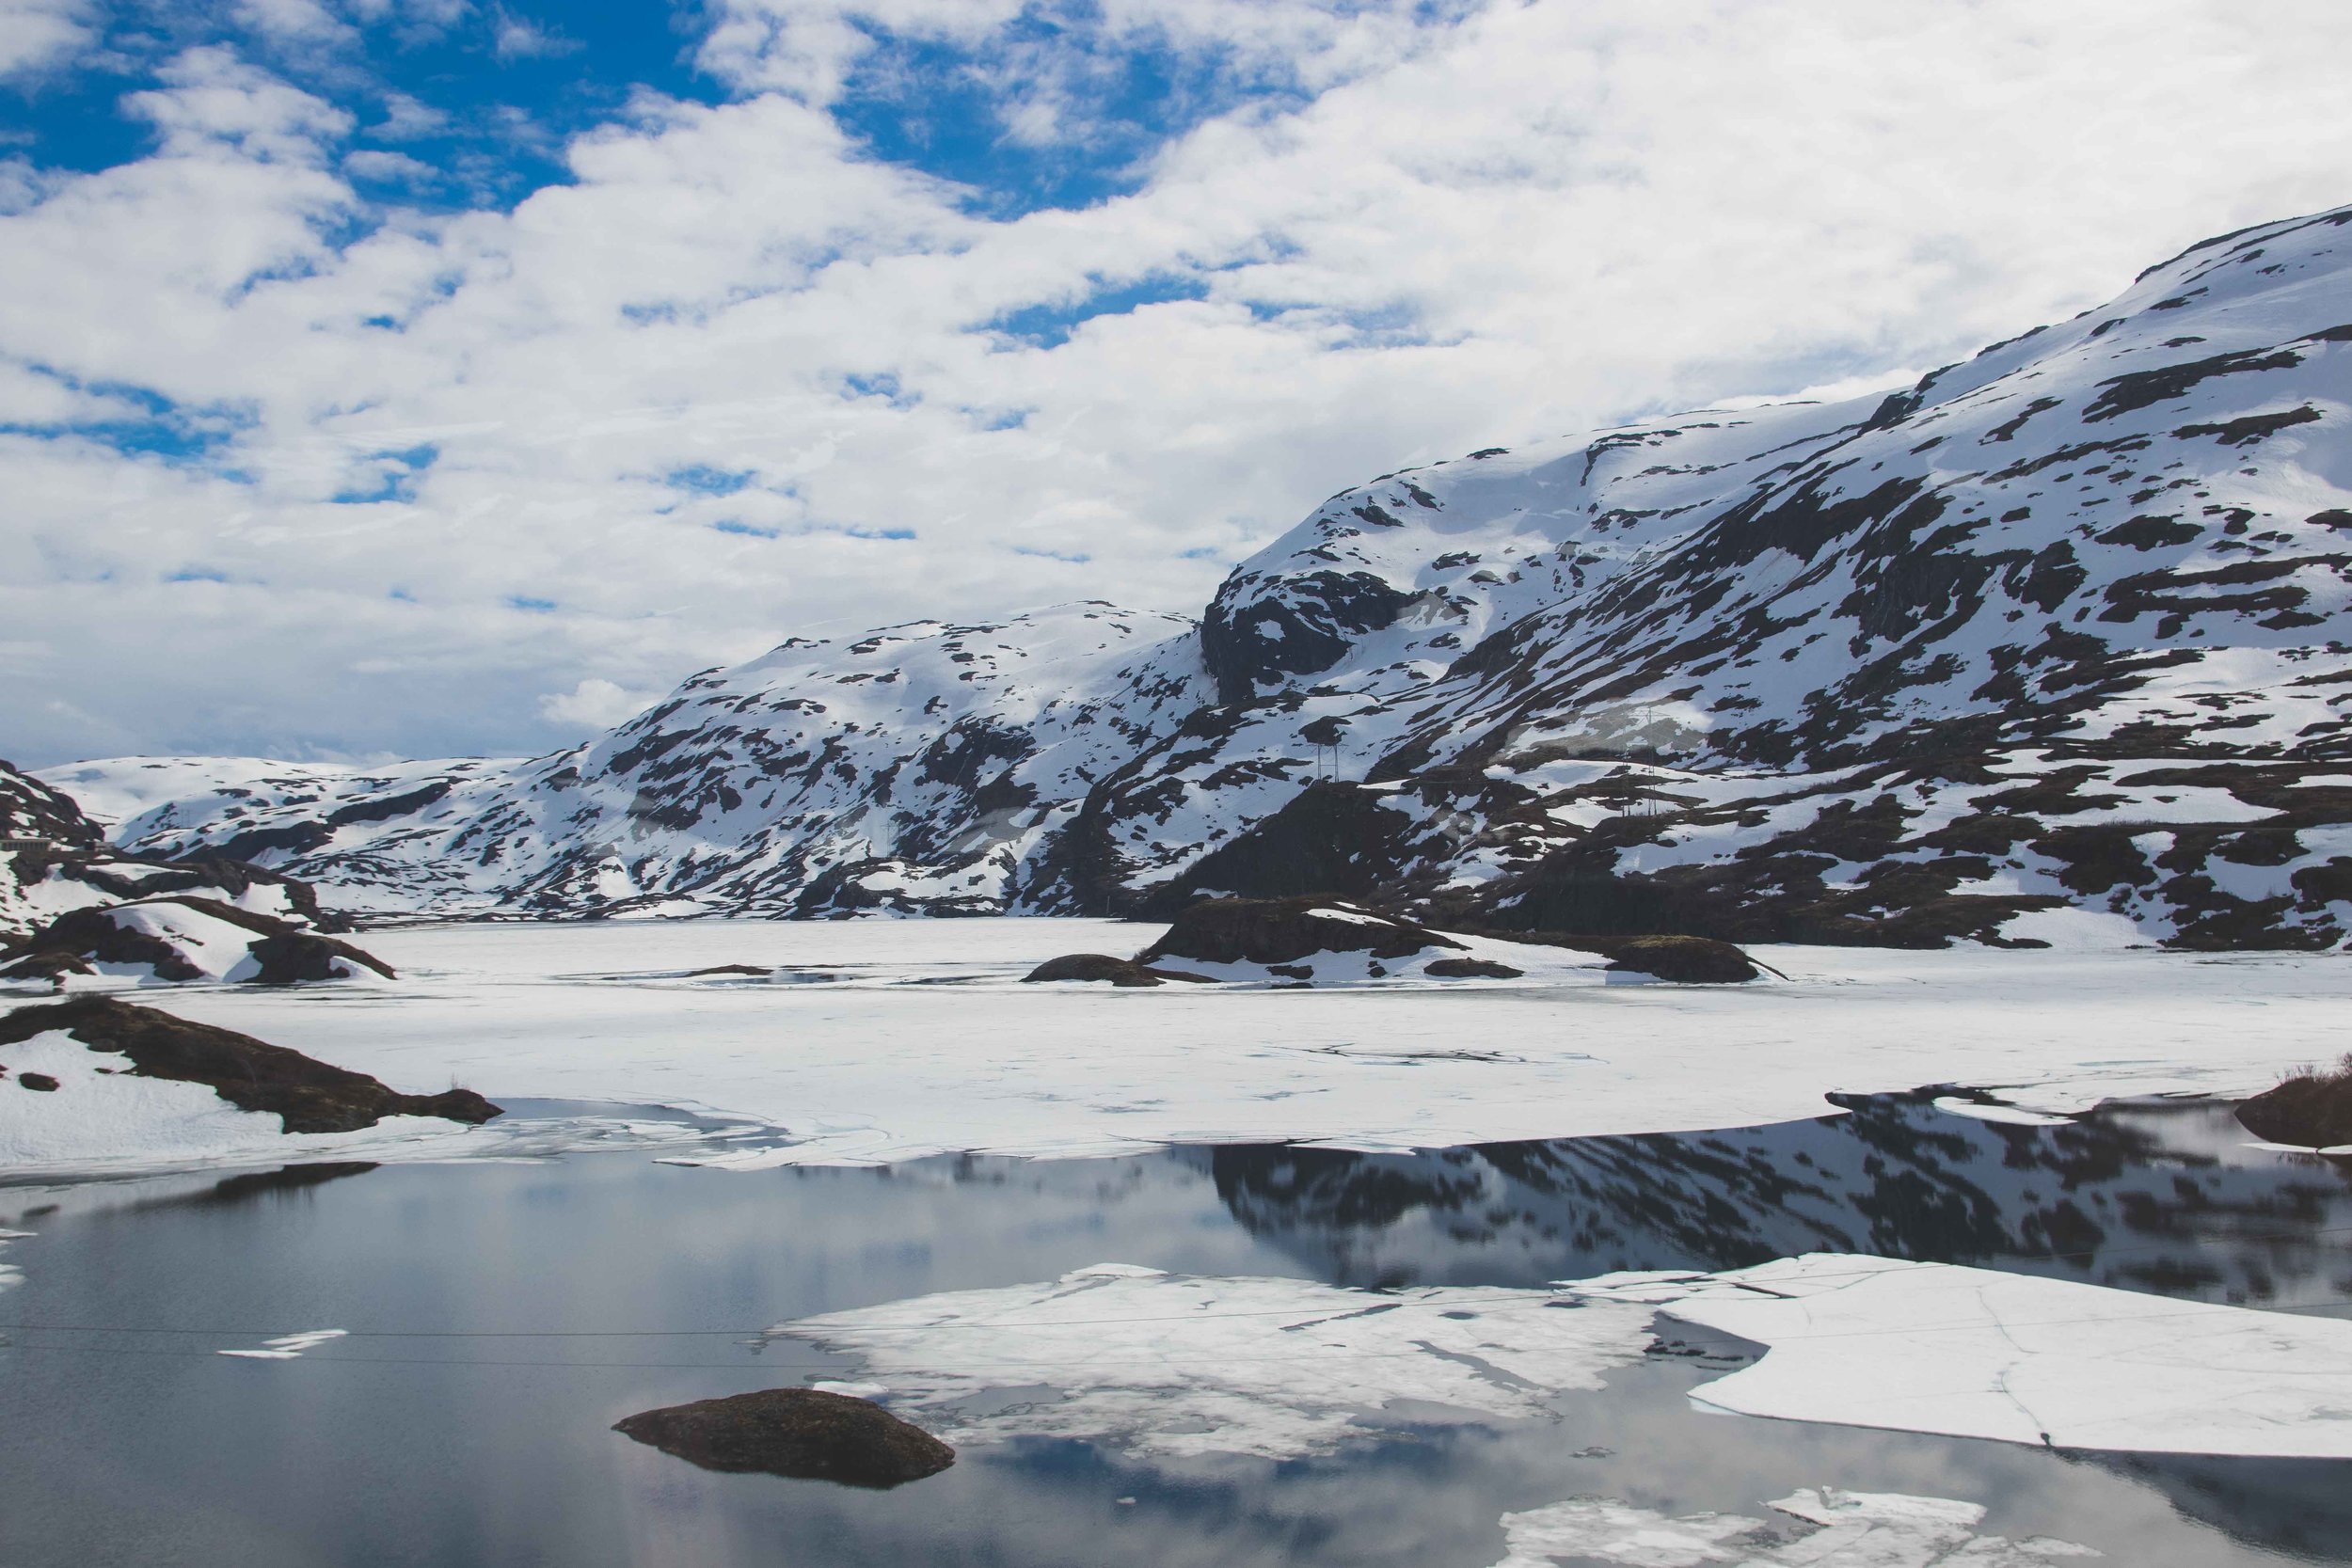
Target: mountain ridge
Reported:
point(2060, 627)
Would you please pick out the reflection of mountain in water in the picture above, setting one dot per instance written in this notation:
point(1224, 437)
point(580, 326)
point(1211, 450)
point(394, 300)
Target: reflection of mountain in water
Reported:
point(2165, 1198)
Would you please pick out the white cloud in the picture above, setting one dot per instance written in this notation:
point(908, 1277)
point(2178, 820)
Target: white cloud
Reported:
point(518, 38)
point(298, 22)
point(372, 165)
point(407, 118)
point(593, 705)
point(36, 34)
point(1525, 221)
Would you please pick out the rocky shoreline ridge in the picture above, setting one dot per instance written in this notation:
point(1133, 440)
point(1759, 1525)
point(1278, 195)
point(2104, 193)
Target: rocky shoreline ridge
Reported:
point(2055, 641)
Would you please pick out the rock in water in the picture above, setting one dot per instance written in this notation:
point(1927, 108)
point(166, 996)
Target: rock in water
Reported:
point(802, 1432)
point(1102, 966)
point(307, 1096)
point(2310, 1110)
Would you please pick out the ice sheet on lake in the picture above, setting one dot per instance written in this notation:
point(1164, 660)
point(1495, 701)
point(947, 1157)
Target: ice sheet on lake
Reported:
point(936, 1046)
point(1279, 1368)
point(1976, 1353)
point(1851, 1530)
point(1178, 1365)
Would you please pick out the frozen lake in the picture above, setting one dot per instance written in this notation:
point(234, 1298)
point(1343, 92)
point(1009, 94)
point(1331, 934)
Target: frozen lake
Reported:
point(882, 1041)
point(502, 1315)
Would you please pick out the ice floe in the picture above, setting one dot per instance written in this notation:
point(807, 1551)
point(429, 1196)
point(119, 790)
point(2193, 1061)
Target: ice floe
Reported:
point(1976, 1352)
point(1851, 1530)
point(1176, 1365)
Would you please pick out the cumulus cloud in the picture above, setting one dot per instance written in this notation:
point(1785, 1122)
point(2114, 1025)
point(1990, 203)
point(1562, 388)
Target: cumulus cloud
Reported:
point(404, 474)
point(37, 34)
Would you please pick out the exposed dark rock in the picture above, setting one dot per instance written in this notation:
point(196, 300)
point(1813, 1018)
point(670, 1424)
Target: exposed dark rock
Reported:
point(1102, 966)
point(2312, 1110)
point(285, 953)
point(93, 934)
point(1685, 960)
point(46, 963)
point(1284, 930)
point(1258, 631)
point(307, 1096)
point(289, 958)
point(1470, 969)
point(39, 1081)
point(1332, 839)
point(802, 1432)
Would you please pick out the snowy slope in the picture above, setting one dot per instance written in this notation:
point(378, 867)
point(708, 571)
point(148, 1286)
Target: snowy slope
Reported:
point(2063, 624)
point(53, 858)
point(913, 768)
point(2062, 628)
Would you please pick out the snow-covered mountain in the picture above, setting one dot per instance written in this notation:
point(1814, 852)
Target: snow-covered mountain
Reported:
point(2064, 625)
point(913, 770)
point(54, 859)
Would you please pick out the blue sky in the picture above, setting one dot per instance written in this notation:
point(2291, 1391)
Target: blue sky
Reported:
point(421, 376)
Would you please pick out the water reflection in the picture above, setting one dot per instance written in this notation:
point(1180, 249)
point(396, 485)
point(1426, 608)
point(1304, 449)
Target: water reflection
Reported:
point(2166, 1198)
point(529, 1306)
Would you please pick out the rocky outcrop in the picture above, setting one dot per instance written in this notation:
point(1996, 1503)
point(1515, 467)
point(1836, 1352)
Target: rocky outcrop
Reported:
point(1685, 960)
point(2312, 1110)
point(1104, 967)
point(1470, 969)
point(1269, 931)
point(806, 1433)
point(306, 1095)
point(186, 939)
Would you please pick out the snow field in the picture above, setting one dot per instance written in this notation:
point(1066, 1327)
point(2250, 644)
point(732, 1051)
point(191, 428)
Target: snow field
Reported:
point(901, 1039)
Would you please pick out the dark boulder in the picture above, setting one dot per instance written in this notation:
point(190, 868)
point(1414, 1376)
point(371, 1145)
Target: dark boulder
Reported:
point(802, 1432)
point(2310, 1110)
point(307, 1096)
point(1102, 966)
point(289, 958)
point(51, 964)
point(40, 1081)
point(1685, 960)
point(1469, 969)
point(1284, 930)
